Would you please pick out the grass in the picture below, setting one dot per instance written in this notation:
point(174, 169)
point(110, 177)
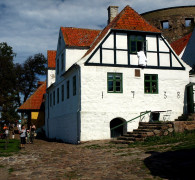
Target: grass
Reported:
point(12, 147)
point(176, 141)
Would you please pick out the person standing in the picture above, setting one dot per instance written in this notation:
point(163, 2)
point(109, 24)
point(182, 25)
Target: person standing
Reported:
point(32, 133)
point(22, 137)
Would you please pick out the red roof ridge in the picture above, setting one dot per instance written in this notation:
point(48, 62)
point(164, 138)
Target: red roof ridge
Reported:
point(181, 43)
point(80, 28)
point(127, 19)
point(34, 102)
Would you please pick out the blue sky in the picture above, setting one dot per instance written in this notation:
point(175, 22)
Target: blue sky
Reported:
point(32, 26)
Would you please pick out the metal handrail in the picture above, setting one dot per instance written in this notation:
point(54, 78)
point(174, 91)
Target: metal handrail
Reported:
point(144, 113)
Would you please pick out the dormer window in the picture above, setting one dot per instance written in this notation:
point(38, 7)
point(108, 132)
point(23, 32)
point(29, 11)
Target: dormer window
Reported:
point(189, 22)
point(136, 44)
point(165, 24)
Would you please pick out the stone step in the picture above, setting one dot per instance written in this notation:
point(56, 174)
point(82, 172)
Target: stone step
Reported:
point(149, 127)
point(154, 123)
point(145, 129)
point(141, 130)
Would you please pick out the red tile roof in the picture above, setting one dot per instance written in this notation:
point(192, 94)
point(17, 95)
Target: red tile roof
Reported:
point(79, 37)
point(36, 99)
point(127, 19)
point(51, 58)
point(180, 44)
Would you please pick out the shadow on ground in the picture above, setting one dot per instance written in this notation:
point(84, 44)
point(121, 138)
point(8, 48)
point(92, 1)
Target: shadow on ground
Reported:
point(178, 164)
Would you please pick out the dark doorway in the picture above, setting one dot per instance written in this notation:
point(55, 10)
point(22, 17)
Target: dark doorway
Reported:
point(118, 131)
point(190, 98)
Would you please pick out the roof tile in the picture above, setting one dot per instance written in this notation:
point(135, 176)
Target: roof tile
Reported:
point(181, 43)
point(36, 99)
point(79, 37)
point(127, 19)
point(51, 58)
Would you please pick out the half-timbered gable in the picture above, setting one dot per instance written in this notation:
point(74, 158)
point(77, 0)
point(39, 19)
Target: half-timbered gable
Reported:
point(127, 34)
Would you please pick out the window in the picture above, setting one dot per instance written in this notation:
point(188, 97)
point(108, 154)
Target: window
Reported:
point(189, 22)
point(62, 62)
point(50, 99)
point(165, 24)
point(58, 95)
point(62, 92)
point(151, 83)
point(54, 98)
point(58, 66)
point(67, 88)
point(74, 85)
point(114, 82)
point(137, 43)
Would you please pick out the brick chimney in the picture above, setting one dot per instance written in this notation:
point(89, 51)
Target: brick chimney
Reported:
point(112, 13)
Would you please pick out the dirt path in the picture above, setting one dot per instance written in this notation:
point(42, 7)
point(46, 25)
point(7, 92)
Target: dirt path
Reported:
point(92, 160)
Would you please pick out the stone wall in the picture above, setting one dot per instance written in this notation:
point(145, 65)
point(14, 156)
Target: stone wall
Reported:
point(176, 18)
point(181, 126)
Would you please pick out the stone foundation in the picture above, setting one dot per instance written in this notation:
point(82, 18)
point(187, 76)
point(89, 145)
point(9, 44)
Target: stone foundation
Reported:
point(181, 126)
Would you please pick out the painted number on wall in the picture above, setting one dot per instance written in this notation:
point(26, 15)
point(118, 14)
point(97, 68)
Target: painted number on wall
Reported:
point(178, 94)
point(165, 95)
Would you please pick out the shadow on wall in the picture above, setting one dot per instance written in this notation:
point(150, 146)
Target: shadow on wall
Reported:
point(178, 164)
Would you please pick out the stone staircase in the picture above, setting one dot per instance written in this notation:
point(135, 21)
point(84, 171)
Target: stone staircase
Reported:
point(146, 129)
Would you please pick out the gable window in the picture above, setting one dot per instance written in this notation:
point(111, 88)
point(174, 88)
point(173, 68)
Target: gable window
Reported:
point(50, 99)
point(165, 24)
point(74, 85)
point(62, 62)
point(189, 22)
point(137, 43)
point(57, 66)
point(54, 98)
point(151, 83)
point(67, 89)
point(58, 95)
point(62, 92)
point(115, 84)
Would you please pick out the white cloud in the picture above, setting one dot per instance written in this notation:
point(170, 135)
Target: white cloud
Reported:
point(32, 26)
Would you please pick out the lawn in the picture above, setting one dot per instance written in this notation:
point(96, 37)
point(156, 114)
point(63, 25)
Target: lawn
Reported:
point(12, 147)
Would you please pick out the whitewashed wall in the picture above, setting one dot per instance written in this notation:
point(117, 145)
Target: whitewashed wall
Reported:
point(73, 55)
point(63, 119)
point(98, 107)
point(50, 77)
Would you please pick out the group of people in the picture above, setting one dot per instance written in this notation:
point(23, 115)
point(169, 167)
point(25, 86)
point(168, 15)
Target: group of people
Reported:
point(8, 132)
point(27, 135)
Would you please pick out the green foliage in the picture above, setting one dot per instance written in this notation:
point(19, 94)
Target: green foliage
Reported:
point(7, 83)
point(12, 147)
point(28, 75)
point(17, 80)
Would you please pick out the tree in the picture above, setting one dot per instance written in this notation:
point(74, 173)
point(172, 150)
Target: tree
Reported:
point(27, 76)
point(17, 80)
point(7, 82)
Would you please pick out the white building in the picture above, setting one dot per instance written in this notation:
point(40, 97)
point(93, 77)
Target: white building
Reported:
point(99, 82)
